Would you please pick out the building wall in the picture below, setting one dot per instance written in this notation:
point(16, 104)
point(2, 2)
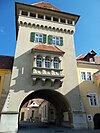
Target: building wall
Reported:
point(24, 60)
point(87, 87)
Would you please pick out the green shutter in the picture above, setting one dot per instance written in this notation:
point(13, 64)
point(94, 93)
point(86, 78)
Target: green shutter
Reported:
point(44, 38)
point(61, 41)
point(50, 39)
point(32, 36)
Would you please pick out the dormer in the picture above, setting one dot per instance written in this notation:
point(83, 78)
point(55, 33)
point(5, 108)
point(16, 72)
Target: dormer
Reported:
point(90, 56)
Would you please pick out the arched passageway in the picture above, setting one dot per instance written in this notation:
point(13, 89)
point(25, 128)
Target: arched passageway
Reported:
point(59, 101)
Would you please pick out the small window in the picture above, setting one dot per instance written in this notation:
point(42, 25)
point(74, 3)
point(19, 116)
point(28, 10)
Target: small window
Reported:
point(89, 77)
point(56, 63)
point(39, 61)
point(33, 15)
point(90, 117)
point(48, 17)
point(55, 19)
point(62, 20)
point(86, 76)
point(83, 76)
point(38, 37)
point(93, 99)
point(69, 21)
point(91, 59)
point(24, 13)
point(56, 40)
point(47, 62)
point(40, 16)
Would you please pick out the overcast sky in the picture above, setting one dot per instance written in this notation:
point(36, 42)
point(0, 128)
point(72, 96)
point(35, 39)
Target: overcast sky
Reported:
point(87, 35)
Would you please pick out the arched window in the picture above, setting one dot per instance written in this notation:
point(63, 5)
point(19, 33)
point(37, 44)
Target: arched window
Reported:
point(56, 63)
point(47, 62)
point(91, 60)
point(39, 61)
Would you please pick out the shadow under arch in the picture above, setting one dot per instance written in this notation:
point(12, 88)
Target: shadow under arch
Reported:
point(58, 100)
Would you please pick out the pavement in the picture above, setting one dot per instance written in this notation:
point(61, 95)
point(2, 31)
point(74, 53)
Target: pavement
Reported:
point(45, 128)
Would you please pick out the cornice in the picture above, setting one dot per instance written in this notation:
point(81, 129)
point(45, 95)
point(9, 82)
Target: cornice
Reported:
point(46, 27)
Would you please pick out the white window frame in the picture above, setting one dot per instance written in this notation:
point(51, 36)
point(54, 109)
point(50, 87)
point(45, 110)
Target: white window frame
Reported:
point(86, 78)
point(39, 37)
point(92, 100)
point(39, 61)
point(47, 62)
point(56, 63)
point(56, 40)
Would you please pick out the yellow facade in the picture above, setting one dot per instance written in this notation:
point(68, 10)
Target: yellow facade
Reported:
point(89, 88)
point(3, 73)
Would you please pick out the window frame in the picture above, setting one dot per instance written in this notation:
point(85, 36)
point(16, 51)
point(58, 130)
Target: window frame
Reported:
point(47, 62)
point(90, 78)
point(38, 61)
point(38, 37)
point(56, 63)
point(93, 101)
point(56, 40)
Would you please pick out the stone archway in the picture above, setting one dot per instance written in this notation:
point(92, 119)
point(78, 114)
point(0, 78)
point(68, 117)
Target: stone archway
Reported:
point(96, 120)
point(57, 99)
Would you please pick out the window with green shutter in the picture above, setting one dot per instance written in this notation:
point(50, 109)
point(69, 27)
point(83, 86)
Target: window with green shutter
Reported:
point(44, 38)
point(50, 39)
point(61, 41)
point(56, 40)
point(32, 36)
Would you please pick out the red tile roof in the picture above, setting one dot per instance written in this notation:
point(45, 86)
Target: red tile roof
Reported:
point(43, 47)
point(80, 58)
point(6, 62)
point(46, 5)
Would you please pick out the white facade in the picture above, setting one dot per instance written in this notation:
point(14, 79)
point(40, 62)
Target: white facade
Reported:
point(61, 89)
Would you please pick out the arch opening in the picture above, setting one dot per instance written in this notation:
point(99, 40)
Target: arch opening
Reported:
point(54, 104)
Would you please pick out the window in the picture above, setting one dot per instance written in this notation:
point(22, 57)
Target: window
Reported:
point(89, 76)
point(39, 61)
point(47, 62)
point(86, 76)
point(83, 76)
point(90, 117)
point(91, 59)
point(48, 17)
point(55, 40)
point(56, 63)
point(38, 37)
point(40, 16)
point(93, 100)
point(24, 13)
point(33, 14)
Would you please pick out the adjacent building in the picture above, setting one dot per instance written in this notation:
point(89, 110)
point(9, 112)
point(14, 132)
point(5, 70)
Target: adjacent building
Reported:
point(6, 64)
point(88, 68)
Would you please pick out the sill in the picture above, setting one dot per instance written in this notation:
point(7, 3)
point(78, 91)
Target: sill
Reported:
point(47, 68)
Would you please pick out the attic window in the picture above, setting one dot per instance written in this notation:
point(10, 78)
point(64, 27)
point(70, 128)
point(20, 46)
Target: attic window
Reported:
point(33, 15)
point(40, 16)
point(91, 60)
point(48, 17)
point(55, 19)
point(62, 20)
point(24, 13)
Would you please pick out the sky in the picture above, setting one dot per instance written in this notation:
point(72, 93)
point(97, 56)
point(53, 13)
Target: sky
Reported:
point(87, 35)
